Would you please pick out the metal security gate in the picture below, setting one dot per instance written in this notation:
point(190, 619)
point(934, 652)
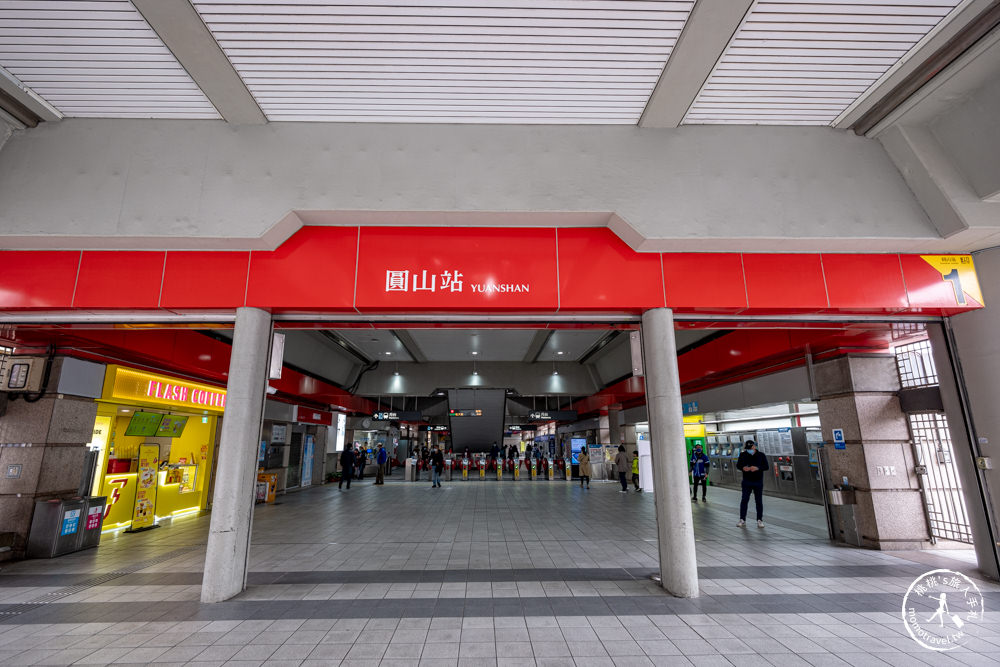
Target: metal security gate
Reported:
point(946, 512)
point(932, 449)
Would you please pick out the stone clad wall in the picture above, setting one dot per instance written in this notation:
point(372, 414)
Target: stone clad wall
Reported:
point(47, 439)
point(859, 395)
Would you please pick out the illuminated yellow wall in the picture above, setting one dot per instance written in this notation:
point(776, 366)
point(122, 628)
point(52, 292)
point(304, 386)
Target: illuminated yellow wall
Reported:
point(196, 445)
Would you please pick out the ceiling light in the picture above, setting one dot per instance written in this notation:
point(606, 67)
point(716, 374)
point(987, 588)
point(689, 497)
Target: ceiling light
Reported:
point(475, 352)
point(475, 372)
point(388, 353)
point(560, 352)
point(555, 372)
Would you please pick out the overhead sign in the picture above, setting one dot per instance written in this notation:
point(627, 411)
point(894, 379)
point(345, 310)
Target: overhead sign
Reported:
point(465, 413)
point(691, 408)
point(553, 415)
point(838, 439)
point(398, 416)
point(305, 415)
point(517, 428)
point(128, 385)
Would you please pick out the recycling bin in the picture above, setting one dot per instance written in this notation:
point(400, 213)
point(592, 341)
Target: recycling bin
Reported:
point(54, 528)
point(92, 520)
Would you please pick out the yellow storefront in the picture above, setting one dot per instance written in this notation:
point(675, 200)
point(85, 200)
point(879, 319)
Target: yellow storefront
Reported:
point(155, 435)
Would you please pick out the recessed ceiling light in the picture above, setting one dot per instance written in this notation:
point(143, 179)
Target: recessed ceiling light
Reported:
point(560, 352)
point(388, 353)
point(475, 352)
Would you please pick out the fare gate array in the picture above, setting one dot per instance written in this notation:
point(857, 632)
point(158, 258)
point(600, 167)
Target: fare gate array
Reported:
point(483, 468)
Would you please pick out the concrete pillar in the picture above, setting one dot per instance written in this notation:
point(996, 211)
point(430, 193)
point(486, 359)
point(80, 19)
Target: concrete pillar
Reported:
point(43, 457)
point(674, 527)
point(615, 426)
point(232, 508)
point(859, 395)
point(975, 483)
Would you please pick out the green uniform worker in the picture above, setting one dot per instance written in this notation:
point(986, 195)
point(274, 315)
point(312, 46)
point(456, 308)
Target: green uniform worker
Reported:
point(635, 471)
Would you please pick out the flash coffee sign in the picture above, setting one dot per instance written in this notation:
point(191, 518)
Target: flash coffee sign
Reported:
point(446, 281)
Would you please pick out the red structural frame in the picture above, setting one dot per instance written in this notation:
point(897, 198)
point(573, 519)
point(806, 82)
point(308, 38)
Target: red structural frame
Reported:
point(575, 270)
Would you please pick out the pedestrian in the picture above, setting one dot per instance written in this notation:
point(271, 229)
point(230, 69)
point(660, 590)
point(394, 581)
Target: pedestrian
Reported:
point(360, 461)
point(584, 459)
point(699, 473)
point(346, 467)
point(437, 464)
point(381, 458)
point(635, 470)
point(753, 463)
point(621, 465)
point(495, 452)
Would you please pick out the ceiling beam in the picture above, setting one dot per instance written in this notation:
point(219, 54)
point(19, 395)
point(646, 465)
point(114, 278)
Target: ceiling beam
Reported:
point(410, 345)
point(23, 103)
point(939, 48)
point(181, 28)
point(703, 40)
point(538, 342)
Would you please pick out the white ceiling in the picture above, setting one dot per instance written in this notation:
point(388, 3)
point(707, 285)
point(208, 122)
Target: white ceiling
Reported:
point(803, 62)
point(484, 61)
point(464, 61)
point(97, 59)
point(375, 343)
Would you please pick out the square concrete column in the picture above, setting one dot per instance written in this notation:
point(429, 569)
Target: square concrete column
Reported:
point(674, 526)
point(228, 548)
point(859, 394)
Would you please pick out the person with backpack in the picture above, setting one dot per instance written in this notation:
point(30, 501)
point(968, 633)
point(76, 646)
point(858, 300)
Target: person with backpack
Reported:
point(699, 473)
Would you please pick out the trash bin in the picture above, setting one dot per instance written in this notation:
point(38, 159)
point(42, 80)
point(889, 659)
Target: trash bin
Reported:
point(93, 521)
point(54, 528)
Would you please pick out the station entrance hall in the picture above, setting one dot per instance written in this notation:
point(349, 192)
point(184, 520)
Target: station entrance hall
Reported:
point(572, 333)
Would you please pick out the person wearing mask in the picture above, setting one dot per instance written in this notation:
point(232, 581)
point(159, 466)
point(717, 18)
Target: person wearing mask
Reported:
point(437, 466)
point(635, 470)
point(346, 467)
point(584, 460)
point(381, 458)
point(495, 453)
point(753, 463)
point(621, 466)
point(699, 473)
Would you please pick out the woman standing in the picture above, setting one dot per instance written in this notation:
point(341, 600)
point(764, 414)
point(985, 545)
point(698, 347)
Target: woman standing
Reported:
point(584, 459)
point(621, 465)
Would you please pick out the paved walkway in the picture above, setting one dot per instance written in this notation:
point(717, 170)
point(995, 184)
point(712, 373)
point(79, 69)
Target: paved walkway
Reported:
point(481, 573)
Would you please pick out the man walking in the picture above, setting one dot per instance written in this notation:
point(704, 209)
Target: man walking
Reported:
point(437, 467)
point(381, 458)
point(699, 473)
point(753, 463)
point(346, 467)
point(621, 466)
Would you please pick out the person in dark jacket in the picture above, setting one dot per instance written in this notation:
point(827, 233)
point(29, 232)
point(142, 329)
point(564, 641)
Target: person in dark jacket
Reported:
point(360, 459)
point(495, 453)
point(437, 467)
point(753, 463)
point(699, 473)
point(346, 467)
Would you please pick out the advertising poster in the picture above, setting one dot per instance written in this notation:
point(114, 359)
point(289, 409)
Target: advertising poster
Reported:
point(144, 515)
point(307, 461)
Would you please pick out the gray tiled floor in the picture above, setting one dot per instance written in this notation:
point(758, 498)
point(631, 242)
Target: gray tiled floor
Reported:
point(480, 573)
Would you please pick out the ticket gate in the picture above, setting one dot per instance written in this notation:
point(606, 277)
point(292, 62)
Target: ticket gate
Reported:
point(714, 462)
point(516, 467)
point(499, 467)
point(465, 470)
point(550, 470)
point(482, 468)
point(534, 469)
